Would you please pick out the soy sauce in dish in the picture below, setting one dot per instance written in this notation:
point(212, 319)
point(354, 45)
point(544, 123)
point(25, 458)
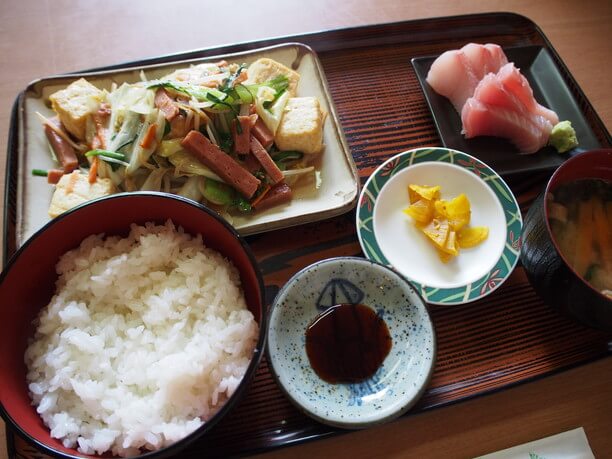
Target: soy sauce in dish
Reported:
point(347, 343)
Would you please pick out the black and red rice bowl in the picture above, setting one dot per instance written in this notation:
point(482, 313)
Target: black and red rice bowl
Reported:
point(28, 281)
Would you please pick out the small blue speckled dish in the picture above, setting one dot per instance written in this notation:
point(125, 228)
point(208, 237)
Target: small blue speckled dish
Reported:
point(404, 374)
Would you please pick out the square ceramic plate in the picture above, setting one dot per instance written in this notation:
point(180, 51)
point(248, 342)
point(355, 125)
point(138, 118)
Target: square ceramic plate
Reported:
point(549, 89)
point(339, 180)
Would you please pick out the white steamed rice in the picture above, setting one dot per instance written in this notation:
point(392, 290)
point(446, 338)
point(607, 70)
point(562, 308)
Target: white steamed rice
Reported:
point(144, 340)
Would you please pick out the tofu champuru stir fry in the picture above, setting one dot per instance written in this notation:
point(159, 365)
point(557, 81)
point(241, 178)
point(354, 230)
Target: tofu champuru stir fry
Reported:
point(234, 137)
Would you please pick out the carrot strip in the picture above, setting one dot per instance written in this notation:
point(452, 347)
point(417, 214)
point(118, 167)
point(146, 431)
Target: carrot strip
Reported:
point(584, 242)
point(73, 178)
point(240, 78)
point(602, 234)
point(93, 170)
point(210, 84)
point(54, 176)
point(261, 195)
point(149, 137)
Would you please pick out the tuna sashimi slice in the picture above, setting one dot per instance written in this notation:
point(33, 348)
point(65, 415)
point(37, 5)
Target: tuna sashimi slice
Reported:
point(507, 97)
point(527, 131)
point(456, 73)
point(484, 59)
point(491, 91)
point(515, 82)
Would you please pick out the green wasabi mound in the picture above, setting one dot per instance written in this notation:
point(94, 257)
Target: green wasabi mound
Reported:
point(563, 137)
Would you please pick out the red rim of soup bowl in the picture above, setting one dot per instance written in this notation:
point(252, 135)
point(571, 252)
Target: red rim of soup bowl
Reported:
point(589, 164)
point(38, 257)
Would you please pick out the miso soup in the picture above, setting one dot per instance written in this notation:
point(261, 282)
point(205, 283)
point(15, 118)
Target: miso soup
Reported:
point(580, 216)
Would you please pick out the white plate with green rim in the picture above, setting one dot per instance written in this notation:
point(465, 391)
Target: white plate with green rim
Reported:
point(387, 235)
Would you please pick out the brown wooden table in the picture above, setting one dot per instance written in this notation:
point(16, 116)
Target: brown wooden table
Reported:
point(39, 38)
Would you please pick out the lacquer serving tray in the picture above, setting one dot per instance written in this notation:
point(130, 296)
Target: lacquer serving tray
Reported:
point(508, 337)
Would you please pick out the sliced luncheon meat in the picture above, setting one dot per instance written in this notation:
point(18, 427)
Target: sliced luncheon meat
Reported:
point(262, 133)
point(280, 194)
point(456, 73)
point(166, 104)
point(63, 150)
point(221, 163)
point(266, 161)
point(241, 136)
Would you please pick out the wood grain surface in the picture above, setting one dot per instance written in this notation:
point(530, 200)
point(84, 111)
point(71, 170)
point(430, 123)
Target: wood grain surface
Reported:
point(40, 38)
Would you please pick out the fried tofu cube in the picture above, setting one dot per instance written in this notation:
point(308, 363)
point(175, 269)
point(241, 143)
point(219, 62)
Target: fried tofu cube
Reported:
point(75, 104)
point(301, 127)
point(265, 69)
point(74, 189)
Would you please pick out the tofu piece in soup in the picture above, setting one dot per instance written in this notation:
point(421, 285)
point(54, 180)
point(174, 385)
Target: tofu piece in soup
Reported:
point(75, 104)
point(301, 127)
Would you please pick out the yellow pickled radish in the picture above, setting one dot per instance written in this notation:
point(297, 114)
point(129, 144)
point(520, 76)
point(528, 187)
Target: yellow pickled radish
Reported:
point(421, 211)
point(437, 231)
point(444, 257)
point(445, 223)
point(458, 205)
point(450, 246)
point(429, 193)
point(472, 236)
point(458, 212)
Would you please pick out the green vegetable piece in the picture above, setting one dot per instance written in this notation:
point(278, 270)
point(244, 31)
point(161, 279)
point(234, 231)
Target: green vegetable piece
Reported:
point(279, 84)
point(167, 129)
point(269, 103)
point(168, 147)
point(218, 193)
point(229, 82)
point(225, 103)
point(289, 155)
point(242, 204)
point(126, 143)
point(563, 137)
point(199, 92)
point(243, 94)
point(226, 141)
point(39, 172)
point(107, 153)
